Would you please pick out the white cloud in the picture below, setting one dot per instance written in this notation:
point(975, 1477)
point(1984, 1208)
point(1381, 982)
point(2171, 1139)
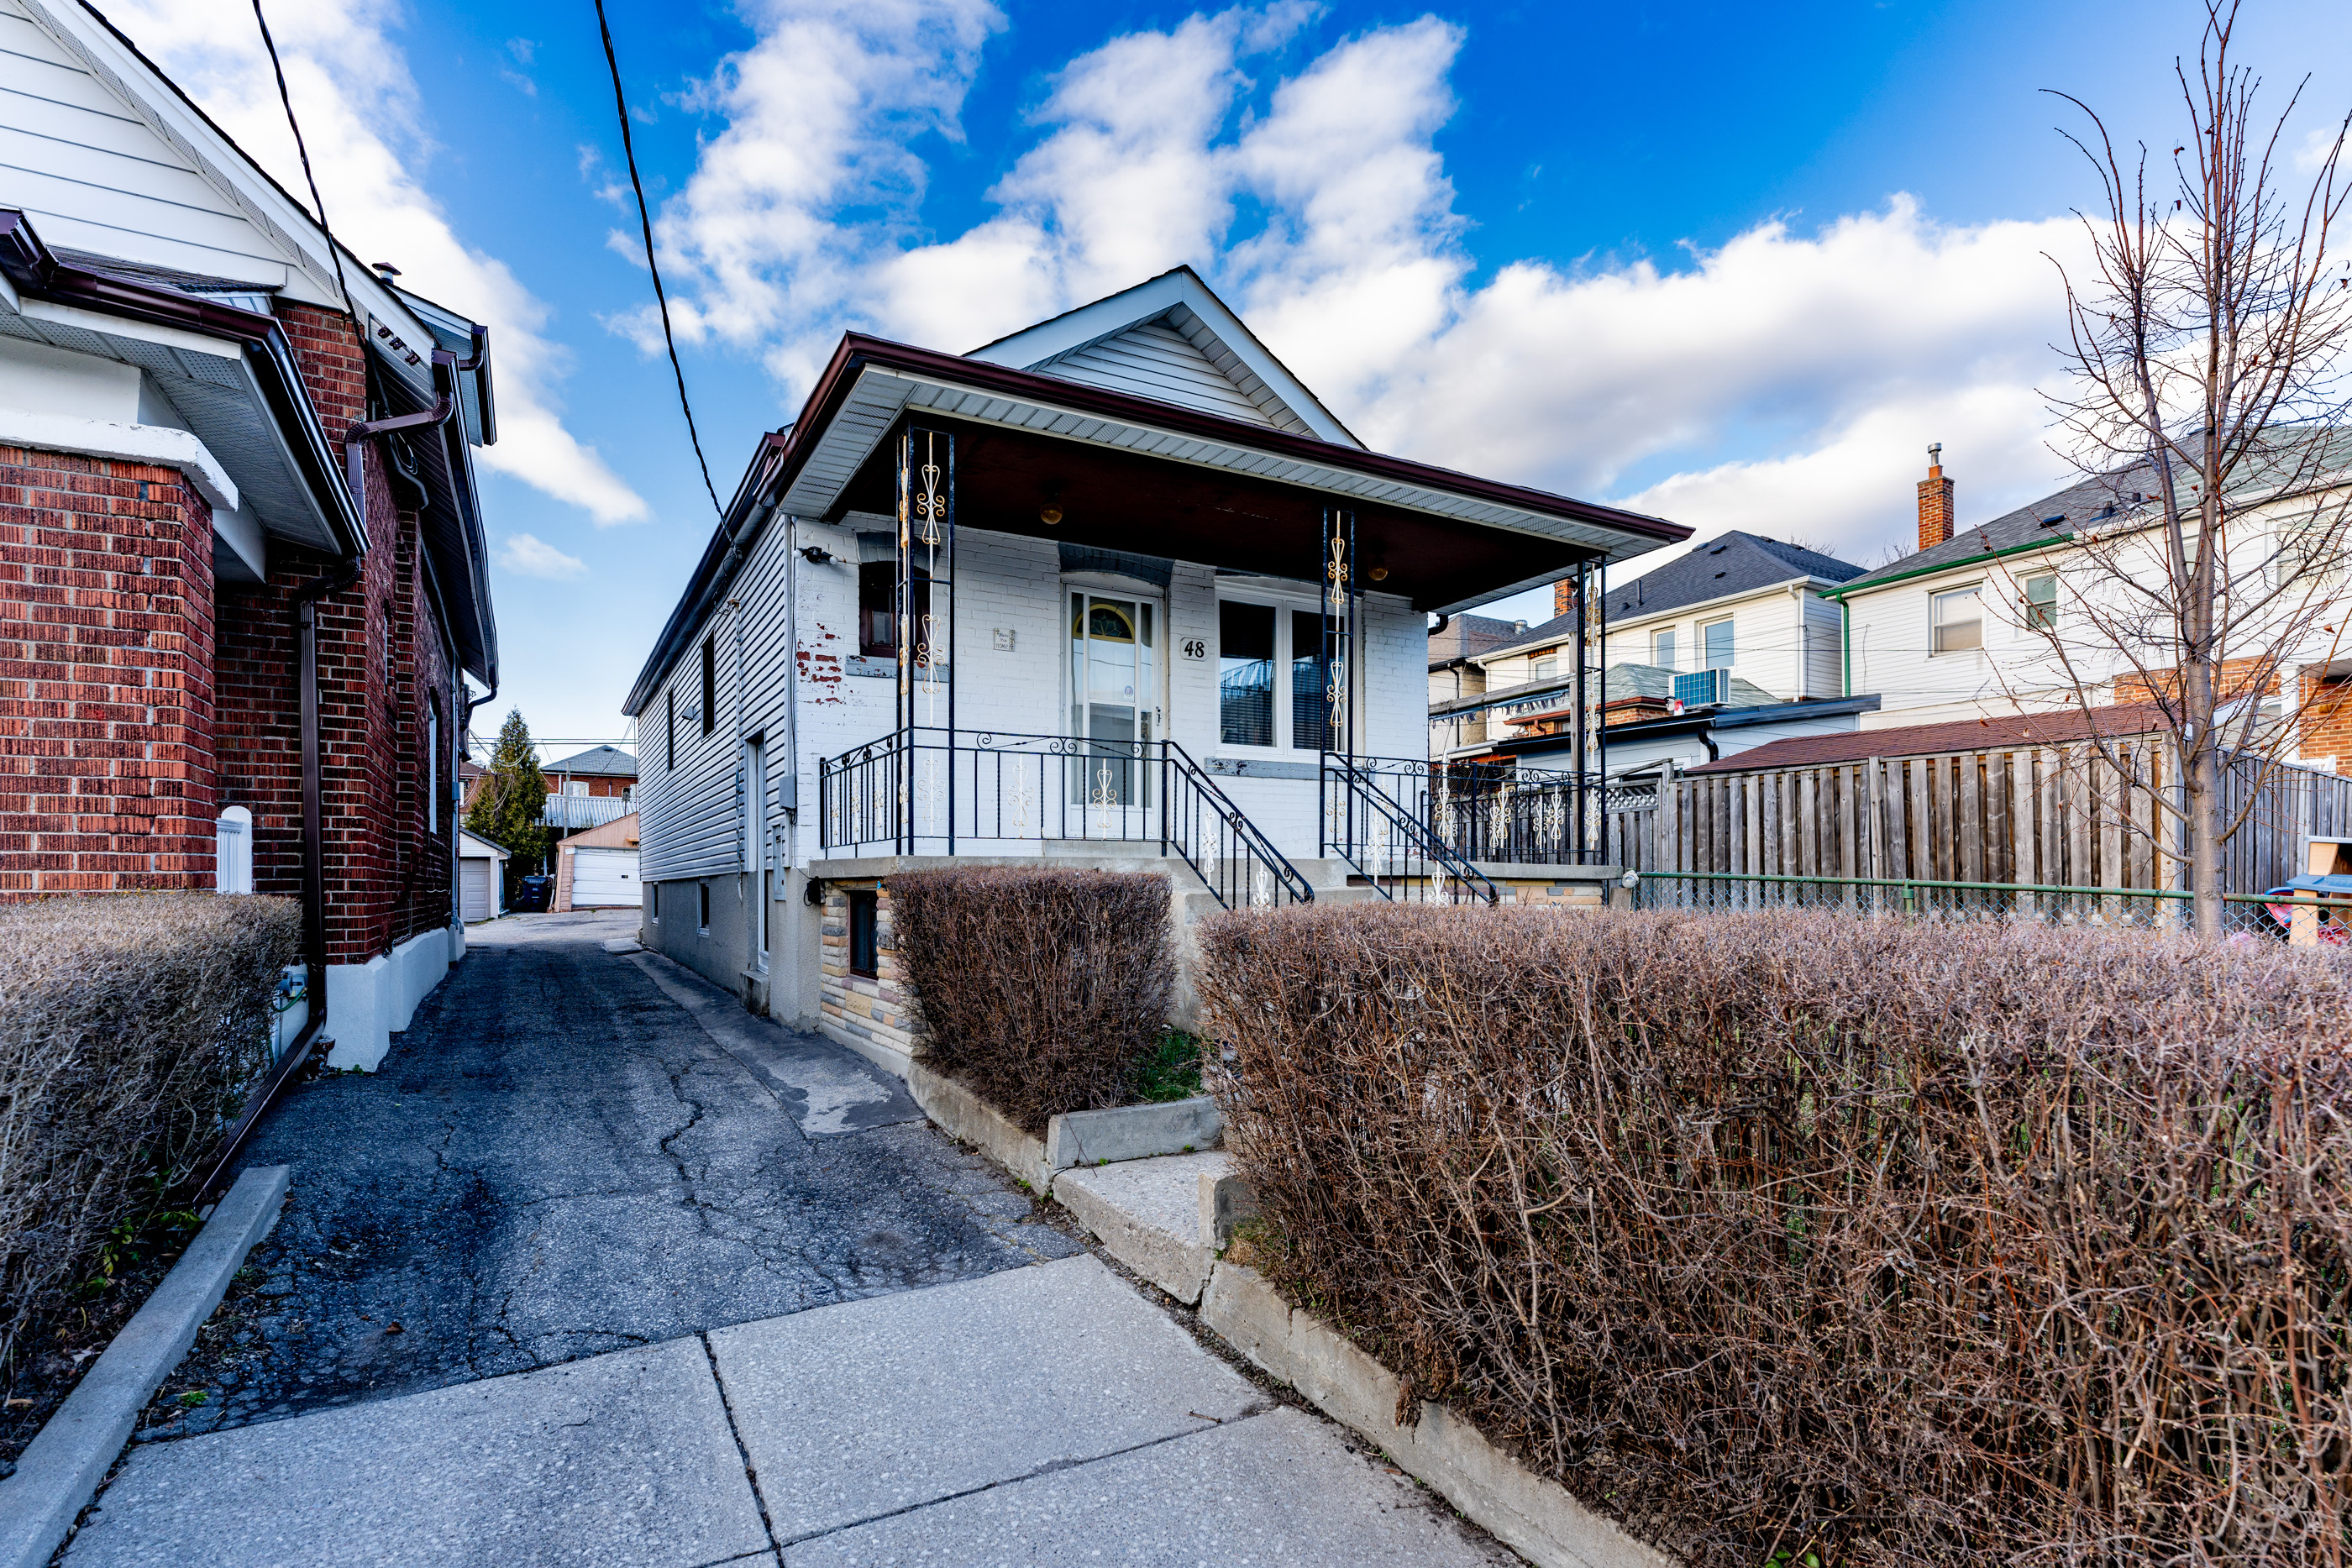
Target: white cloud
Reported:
point(531, 557)
point(1786, 381)
point(359, 109)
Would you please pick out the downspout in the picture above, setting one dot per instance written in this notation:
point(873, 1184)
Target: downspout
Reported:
point(1845, 642)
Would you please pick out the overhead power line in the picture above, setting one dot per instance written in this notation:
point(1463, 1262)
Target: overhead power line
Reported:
point(645, 222)
point(334, 251)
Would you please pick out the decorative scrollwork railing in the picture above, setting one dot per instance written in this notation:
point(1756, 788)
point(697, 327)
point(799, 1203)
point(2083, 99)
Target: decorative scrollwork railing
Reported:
point(928, 791)
point(1494, 811)
point(1388, 844)
point(1222, 845)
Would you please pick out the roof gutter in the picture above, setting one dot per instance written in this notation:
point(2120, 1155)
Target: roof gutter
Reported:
point(1839, 594)
point(35, 271)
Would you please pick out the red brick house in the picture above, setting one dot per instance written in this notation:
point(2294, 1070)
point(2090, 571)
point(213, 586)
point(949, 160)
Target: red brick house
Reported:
point(243, 574)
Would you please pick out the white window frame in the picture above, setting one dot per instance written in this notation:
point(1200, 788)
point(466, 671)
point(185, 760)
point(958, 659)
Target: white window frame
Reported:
point(2025, 587)
point(1936, 599)
point(1707, 660)
point(1663, 657)
point(1283, 608)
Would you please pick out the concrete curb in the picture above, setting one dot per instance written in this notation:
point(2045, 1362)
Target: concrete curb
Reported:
point(61, 1468)
point(1075, 1138)
point(1133, 1132)
point(966, 1115)
point(1537, 1518)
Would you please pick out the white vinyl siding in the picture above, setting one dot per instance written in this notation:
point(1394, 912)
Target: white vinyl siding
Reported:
point(93, 176)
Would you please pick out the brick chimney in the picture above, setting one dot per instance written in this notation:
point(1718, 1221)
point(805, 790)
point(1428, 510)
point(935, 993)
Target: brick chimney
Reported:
point(1935, 501)
point(1563, 596)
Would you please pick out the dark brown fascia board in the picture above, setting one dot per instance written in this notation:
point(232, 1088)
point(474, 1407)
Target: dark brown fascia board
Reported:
point(37, 273)
point(857, 351)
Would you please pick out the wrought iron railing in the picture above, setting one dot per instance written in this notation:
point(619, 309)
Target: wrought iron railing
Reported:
point(930, 791)
point(1495, 811)
point(1388, 843)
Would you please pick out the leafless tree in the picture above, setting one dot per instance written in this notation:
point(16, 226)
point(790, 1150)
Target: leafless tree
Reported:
point(2207, 396)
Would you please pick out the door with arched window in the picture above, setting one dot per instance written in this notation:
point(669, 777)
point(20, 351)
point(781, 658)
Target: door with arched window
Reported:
point(1114, 687)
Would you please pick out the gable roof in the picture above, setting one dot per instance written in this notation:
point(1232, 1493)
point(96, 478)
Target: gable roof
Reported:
point(597, 761)
point(2056, 727)
point(1171, 339)
point(1730, 563)
point(2086, 501)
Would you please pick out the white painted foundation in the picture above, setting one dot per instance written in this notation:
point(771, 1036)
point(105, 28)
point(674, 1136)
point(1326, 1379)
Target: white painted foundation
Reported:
point(368, 1003)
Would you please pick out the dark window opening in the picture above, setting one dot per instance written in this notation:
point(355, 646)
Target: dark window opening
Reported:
point(1245, 673)
point(767, 894)
point(669, 726)
point(656, 905)
point(878, 621)
point(709, 684)
point(704, 888)
point(864, 950)
point(1310, 685)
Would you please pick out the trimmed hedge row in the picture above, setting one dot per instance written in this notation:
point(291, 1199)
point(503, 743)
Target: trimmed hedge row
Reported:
point(1771, 1234)
point(130, 1025)
point(1045, 990)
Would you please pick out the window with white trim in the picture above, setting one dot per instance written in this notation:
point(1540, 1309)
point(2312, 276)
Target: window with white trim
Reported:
point(1662, 649)
point(1714, 646)
point(1273, 679)
point(2040, 601)
point(1957, 618)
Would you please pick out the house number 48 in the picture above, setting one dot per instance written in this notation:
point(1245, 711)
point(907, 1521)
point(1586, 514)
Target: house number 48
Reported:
point(1196, 648)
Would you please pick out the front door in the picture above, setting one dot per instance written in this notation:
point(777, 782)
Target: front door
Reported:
point(1114, 685)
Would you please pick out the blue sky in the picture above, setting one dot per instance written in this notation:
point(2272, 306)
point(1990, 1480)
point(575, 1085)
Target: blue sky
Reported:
point(1733, 264)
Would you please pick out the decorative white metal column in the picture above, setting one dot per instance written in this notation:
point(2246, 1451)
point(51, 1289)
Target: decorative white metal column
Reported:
point(925, 603)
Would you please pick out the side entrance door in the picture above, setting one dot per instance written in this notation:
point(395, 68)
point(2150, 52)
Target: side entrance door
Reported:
point(1114, 693)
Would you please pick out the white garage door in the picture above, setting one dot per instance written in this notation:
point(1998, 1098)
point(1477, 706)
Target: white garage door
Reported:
point(604, 878)
point(474, 889)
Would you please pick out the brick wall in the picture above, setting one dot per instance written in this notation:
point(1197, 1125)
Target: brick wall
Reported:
point(106, 694)
point(383, 670)
point(2327, 721)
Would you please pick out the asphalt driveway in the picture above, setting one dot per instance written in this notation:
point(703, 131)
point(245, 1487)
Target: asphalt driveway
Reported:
point(574, 1151)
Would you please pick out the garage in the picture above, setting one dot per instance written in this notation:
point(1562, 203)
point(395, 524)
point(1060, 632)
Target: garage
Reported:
point(603, 879)
point(479, 862)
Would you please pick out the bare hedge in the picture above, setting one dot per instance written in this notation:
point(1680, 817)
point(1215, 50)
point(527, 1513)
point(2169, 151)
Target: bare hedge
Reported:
point(129, 1026)
point(1045, 990)
point(1897, 1243)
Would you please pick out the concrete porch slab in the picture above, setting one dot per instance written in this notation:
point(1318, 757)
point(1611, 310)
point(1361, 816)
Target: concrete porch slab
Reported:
point(1276, 1487)
point(871, 1407)
point(624, 1459)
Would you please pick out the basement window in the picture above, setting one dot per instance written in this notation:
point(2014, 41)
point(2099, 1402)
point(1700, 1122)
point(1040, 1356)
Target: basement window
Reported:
point(864, 946)
point(704, 889)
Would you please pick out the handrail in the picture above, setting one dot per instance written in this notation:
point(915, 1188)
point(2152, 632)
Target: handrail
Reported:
point(1359, 792)
point(1257, 852)
point(1048, 786)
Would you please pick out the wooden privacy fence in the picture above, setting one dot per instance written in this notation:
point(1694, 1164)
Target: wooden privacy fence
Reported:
point(2030, 816)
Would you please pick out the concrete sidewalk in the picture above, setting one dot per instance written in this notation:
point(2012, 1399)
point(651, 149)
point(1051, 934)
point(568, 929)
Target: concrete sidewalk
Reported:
point(1039, 1415)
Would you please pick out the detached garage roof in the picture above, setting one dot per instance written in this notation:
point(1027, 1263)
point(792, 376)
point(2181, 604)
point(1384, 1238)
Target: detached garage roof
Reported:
point(2058, 728)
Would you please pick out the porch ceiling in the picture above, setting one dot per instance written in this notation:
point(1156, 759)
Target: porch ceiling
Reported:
point(1117, 500)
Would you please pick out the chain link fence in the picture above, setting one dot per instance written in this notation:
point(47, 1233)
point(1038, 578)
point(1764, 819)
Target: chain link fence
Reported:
point(2244, 916)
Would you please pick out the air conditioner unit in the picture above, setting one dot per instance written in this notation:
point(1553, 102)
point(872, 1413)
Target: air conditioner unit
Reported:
point(1703, 688)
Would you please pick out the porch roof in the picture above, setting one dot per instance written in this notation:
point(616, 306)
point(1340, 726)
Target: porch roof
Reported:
point(1141, 475)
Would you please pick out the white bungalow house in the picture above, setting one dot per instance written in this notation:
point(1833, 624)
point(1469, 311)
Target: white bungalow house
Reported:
point(1118, 589)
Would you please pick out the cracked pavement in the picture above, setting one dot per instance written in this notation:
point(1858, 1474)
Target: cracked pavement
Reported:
point(558, 1159)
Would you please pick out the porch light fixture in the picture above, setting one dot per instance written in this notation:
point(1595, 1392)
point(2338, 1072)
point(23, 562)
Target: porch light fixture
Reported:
point(815, 555)
point(1049, 516)
point(1380, 574)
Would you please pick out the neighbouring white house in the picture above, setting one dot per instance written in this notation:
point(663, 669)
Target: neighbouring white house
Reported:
point(1117, 589)
point(1747, 617)
point(1964, 627)
point(481, 872)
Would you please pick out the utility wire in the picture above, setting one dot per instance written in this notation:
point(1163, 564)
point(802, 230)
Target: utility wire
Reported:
point(644, 220)
point(334, 251)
